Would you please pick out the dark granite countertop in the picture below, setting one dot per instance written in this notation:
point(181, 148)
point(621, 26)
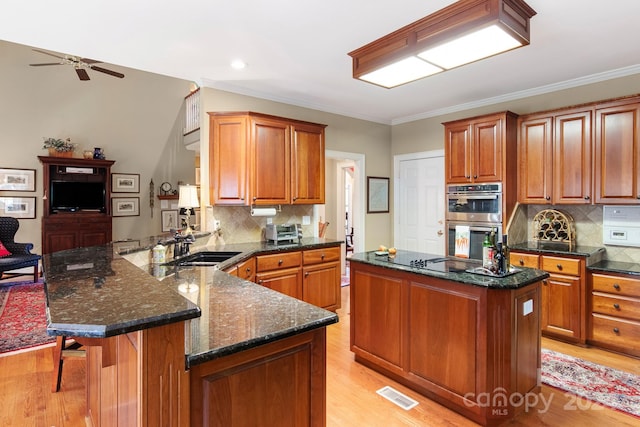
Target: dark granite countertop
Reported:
point(449, 268)
point(558, 249)
point(616, 267)
point(94, 292)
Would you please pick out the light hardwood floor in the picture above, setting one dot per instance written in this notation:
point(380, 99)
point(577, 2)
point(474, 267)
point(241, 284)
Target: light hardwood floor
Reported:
point(351, 392)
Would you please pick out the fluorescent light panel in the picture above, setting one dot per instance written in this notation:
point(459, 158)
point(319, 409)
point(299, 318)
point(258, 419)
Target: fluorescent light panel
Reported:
point(480, 44)
point(463, 32)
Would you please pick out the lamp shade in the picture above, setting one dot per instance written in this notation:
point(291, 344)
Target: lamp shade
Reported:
point(188, 197)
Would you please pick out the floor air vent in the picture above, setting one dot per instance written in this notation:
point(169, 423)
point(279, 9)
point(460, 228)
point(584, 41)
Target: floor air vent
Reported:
point(396, 397)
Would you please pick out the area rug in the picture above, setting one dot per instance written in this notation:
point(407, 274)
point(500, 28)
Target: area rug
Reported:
point(607, 386)
point(22, 317)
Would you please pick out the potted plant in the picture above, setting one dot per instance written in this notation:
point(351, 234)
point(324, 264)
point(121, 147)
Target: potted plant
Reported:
point(59, 147)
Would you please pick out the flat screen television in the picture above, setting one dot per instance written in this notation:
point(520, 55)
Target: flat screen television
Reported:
point(69, 196)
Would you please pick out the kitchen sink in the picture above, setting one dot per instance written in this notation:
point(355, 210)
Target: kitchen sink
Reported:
point(204, 259)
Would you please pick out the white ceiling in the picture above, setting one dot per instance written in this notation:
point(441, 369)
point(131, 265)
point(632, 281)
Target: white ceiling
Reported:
point(296, 50)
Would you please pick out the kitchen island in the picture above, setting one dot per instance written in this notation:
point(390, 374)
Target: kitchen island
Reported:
point(468, 341)
point(188, 346)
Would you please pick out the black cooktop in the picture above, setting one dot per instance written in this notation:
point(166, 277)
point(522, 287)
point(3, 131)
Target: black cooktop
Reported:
point(428, 262)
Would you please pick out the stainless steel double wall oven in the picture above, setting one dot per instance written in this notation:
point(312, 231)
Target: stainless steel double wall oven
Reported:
point(478, 206)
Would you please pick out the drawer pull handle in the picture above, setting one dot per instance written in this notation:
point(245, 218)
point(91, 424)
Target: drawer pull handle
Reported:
point(544, 282)
point(260, 282)
point(322, 256)
point(616, 306)
point(559, 267)
point(279, 262)
point(521, 261)
point(306, 274)
point(616, 286)
point(616, 330)
point(248, 270)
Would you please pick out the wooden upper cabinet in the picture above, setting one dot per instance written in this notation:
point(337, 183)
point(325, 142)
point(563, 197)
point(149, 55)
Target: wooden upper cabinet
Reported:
point(554, 158)
point(476, 148)
point(307, 164)
point(534, 154)
point(270, 157)
point(258, 159)
point(617, 154)
point(229, 148)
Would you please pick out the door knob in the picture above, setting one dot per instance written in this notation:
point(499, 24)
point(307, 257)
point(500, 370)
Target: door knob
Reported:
point(440, 233)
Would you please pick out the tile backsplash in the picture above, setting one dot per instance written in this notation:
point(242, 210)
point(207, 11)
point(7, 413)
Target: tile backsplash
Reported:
point(238, 226)
point(588, 222)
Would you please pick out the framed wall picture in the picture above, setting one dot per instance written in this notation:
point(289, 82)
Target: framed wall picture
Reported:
point(125, 183)
point(170, 219)
point(377, 194)
point(18, 207)
point(125, 206)
point(17, 179)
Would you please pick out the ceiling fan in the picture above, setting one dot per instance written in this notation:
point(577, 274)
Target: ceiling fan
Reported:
point(79, 64)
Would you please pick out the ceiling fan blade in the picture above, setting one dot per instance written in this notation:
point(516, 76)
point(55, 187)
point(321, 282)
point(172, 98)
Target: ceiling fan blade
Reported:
point(111, 73)
point(46, 63)
point(47, 53)
point(89, 61)
point(82, 74)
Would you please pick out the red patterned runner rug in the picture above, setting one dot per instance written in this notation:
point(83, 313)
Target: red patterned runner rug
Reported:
point(607, 386)
point(22, 317)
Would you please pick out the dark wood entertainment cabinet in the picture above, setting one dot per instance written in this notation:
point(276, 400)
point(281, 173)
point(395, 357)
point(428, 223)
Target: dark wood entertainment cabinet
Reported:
point(68, 230)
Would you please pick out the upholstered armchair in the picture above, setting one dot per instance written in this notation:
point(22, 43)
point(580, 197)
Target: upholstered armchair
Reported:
point(21, 255)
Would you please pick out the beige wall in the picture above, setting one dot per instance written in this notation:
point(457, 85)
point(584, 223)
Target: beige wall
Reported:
point(136, 120)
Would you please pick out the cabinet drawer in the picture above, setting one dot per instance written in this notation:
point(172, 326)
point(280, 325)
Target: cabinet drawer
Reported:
point(316, 256)
point(616, 285)
point(621, 333)
point(525, 260)
point(277, 261)
point(626, 307)
point(246, 269)
point(560, 265)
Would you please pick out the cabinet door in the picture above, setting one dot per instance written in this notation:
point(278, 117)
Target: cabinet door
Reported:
point(270, 162)
point(321, 285)
point(487, 151)
point(376, 318)
point(445, 320)
point(307, 164)
point(287, 281)
point(55, 241)
point(561, 306)
point(457, 153)
point(229, 161)
point(534, 160)
point(617, 155)
point(572, 158)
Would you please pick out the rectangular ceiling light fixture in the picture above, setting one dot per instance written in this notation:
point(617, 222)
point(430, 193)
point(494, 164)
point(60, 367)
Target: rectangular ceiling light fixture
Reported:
point(463, 32)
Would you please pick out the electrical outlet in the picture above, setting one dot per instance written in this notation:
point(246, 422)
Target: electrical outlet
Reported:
point(216, 225)
point(306, 220)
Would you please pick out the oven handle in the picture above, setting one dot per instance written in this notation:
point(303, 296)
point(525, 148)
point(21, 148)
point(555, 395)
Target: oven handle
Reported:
point(463, 196)
point(474, 228)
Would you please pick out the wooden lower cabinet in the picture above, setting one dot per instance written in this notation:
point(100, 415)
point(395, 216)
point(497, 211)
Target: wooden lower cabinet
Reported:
point(472, 349)
point(563, 294)
point(321, 277)
point(614, 323)
point(138, 379)
point(277, 384)
point(281, 272)
point(75, 230)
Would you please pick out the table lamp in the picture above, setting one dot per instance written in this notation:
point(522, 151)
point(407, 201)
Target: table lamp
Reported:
point(188, 199)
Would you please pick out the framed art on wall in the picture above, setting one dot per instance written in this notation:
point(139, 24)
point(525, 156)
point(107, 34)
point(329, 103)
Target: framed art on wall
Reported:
point(377, 194)
point(18, 207)
point(125, 183)
point(17, 179)
point(170, 219)
point(125, 206)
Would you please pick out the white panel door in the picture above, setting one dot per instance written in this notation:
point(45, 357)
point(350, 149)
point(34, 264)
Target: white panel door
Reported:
point(420, 205)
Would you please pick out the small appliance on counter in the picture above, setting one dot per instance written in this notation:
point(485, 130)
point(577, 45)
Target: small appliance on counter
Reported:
point(282, 233)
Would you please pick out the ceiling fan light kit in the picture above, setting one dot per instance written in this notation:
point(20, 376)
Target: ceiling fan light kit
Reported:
point(461, 33)
point(79, 64)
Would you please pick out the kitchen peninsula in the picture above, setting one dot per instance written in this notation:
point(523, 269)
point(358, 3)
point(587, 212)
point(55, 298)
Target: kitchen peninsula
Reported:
point(189, 346)
point(468, 341)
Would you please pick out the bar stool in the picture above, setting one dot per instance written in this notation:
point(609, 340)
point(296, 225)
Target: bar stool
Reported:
point(61, 351)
